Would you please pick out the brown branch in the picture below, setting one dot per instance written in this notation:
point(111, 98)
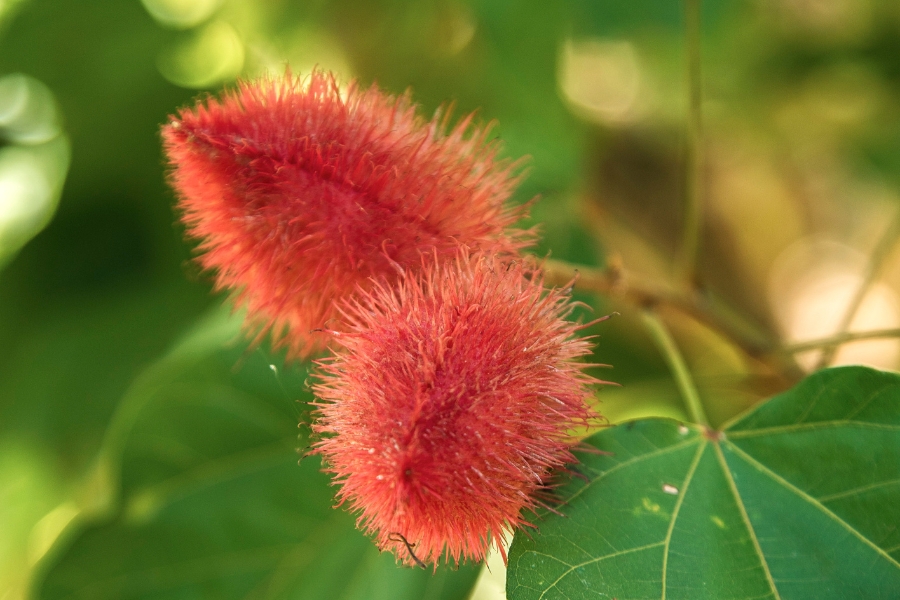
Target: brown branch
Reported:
point(839, 339)
point(613, 282)
point(873, 272)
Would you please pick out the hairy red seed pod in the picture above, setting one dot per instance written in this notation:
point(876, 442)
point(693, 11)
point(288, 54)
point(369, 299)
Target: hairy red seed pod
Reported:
point(302, 194)
point(450, 400)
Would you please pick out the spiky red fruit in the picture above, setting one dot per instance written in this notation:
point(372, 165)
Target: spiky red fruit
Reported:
point(452, 397)
point(302, 195)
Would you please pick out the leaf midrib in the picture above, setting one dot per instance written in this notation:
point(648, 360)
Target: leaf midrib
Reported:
point(794, 427)
point(214, 472)
point(746, 519)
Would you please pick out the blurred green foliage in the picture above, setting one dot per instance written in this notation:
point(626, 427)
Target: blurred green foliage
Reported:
point(802, 118)
point(205, 497)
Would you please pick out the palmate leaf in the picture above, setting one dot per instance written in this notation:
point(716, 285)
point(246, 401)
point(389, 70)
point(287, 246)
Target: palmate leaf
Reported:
point(213, 503)
point(797, 499)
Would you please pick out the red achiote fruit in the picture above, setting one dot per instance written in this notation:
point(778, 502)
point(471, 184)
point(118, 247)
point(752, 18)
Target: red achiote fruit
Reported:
point(449, 400)
point(302, 194)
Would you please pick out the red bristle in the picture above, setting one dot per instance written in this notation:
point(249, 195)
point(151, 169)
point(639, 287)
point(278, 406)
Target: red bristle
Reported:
point(448, 404)
point(302, 194)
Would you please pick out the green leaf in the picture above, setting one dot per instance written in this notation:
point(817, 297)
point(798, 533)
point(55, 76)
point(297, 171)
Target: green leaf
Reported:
point(213, 503)
point(799, 498)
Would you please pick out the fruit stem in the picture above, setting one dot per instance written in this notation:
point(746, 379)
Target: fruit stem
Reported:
point(616, 283)
point(693, 214)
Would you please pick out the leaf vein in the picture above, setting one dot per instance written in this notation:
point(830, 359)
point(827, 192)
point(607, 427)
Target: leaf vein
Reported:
point(865, 404)
point(631, 461)
point(596, 560)
point(807, 427)
point(217, 471)
point(812, 501)
point(859, 490)
point(684, 489)
point(812, 404)
point(746, 518)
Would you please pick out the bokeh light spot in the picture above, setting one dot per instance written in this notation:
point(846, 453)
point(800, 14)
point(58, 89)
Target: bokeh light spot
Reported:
point(28, 113)
point(303, 49)
point(812, 285)
point(209, 56)
point(181, 14)
point(34, 166)
point(600, 79)
point(45, 531)
point(455, 29)
point(30, 181)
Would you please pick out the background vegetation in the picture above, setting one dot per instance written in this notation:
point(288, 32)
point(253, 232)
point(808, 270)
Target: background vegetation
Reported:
point(128, 469)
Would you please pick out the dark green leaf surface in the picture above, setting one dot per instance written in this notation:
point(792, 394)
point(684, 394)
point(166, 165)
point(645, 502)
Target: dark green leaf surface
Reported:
point(798, 499)
point(214, 504)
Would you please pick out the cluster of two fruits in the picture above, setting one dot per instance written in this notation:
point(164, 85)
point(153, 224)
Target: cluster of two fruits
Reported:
point(342, 220)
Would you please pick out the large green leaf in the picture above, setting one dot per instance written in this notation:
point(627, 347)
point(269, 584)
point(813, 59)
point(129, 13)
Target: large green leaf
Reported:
point(797, 499)
point(213, 503)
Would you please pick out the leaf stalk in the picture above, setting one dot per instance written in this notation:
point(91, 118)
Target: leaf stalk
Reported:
point(666, 343)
